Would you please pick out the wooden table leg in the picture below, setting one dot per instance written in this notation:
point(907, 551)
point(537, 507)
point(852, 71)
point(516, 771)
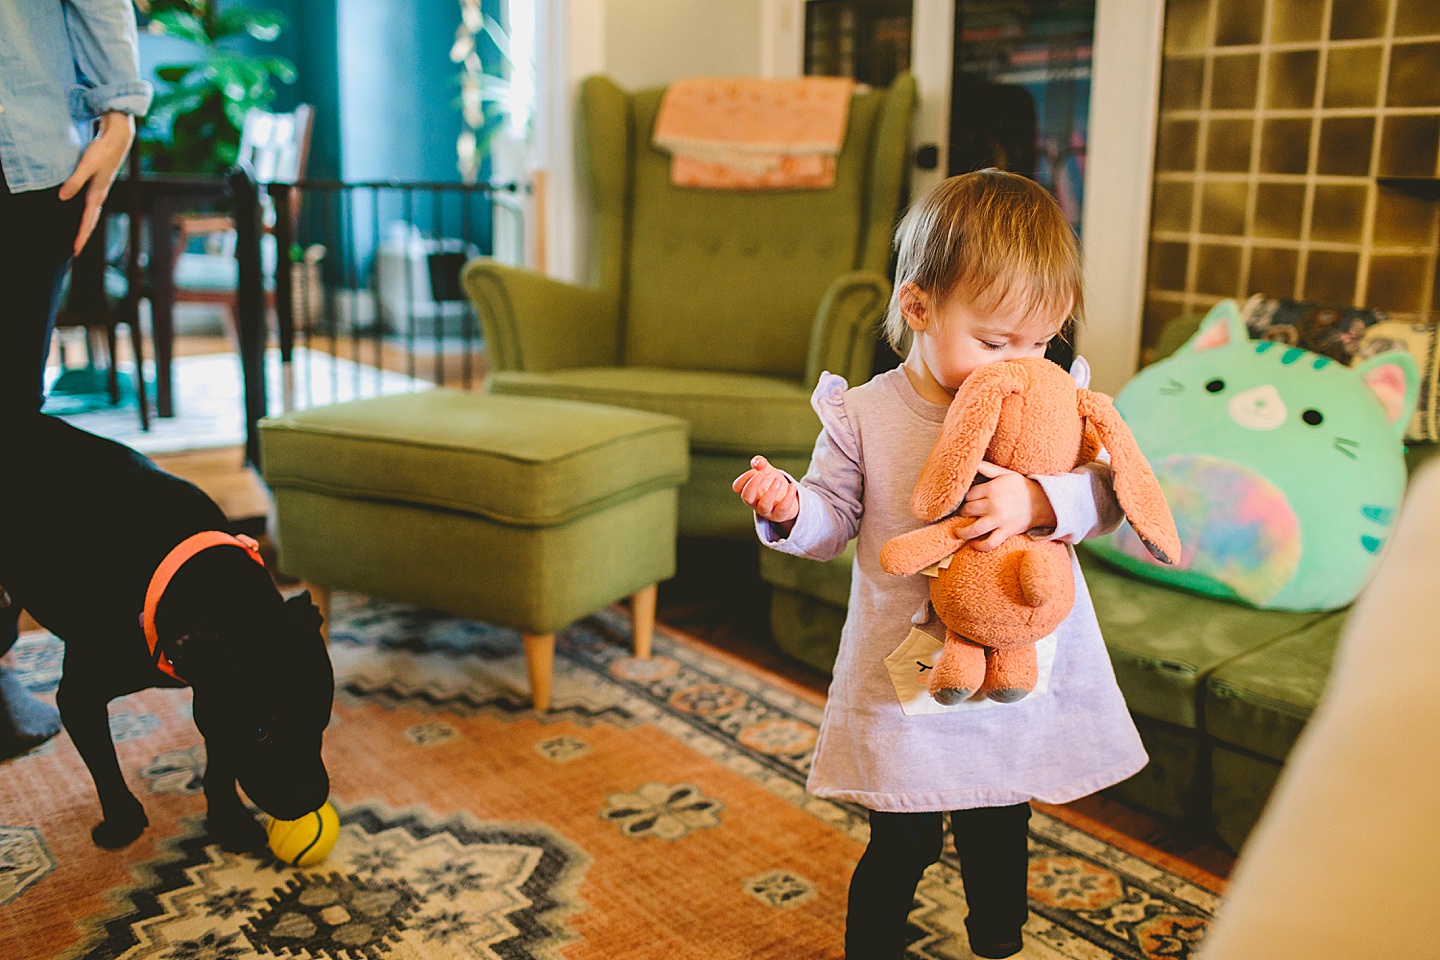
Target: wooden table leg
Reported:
point(162, 300)
point(642, 608)
point(540, 662)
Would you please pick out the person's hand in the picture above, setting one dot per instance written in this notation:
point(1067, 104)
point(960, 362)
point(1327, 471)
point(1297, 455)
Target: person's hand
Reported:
point(96, 170)
point(772, 495)
point(1009, 504)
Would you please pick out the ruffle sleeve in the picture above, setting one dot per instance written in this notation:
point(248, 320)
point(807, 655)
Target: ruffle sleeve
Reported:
point(828, 402)
point(831, 491)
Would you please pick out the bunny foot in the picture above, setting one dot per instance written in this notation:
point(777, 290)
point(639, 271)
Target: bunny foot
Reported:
point(959, 671)
point(1010, 674)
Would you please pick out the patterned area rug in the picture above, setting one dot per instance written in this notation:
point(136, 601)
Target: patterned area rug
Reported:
point(658, 811)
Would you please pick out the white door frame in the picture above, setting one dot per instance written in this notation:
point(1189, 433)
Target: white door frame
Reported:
point(782, 38)
point(571, 44)
point(1119, 177)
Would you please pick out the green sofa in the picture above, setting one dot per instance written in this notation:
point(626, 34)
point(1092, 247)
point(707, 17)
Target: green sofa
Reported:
point(1218, 691)
point(721, 307)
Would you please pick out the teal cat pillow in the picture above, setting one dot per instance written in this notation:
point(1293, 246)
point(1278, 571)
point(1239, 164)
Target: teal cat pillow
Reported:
point(1283, 468)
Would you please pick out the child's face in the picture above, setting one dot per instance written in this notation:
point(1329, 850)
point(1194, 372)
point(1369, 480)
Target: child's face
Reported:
point(954, 338)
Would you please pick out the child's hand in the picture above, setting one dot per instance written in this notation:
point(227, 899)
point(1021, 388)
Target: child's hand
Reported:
point(1009, 504)
point(772, 495)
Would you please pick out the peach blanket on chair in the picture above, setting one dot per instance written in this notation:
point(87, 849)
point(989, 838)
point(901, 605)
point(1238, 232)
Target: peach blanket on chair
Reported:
point(747, 133)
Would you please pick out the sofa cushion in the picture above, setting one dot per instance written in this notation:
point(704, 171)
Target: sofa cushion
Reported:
point(1170, 784)
point(1261, 700)
point(1240, 786)
point(528, 462)
point(727, 412)
point(1163, 642)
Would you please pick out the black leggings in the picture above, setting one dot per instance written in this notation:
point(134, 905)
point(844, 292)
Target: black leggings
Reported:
point(994, 866)
point(37, 231)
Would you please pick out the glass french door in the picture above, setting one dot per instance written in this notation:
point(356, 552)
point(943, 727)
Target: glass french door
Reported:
point(1017, 73)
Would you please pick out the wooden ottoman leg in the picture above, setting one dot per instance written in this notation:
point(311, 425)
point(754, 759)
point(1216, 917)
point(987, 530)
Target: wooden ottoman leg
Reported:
point(642, 608)
point(320, 596)
point(539, 661)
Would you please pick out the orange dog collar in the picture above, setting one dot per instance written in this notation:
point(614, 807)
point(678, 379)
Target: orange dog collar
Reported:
point(174, 560)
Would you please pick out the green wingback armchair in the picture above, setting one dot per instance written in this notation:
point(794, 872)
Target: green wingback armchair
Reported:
point(720, 307)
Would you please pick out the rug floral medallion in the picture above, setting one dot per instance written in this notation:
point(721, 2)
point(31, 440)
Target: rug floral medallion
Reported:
point(658, 810)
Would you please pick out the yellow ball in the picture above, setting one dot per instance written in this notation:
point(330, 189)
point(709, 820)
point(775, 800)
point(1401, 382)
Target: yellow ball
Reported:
point(307, 841)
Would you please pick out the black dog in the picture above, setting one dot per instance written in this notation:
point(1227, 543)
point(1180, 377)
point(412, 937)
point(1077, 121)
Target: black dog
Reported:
point(86, 522)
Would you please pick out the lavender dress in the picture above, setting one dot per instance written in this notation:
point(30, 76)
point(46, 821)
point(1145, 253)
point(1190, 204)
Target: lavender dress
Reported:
point(1071, 740)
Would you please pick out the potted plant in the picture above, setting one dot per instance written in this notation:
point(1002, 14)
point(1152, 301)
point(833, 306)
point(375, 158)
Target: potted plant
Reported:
point(195, 123)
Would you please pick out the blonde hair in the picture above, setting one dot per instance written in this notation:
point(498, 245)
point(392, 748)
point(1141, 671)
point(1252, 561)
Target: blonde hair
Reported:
point(989, 236)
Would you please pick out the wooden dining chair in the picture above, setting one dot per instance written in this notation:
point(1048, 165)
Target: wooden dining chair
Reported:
point(276, 148)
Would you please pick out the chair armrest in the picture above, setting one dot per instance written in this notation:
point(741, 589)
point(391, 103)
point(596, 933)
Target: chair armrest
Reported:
point(534, 323)
point(843, 341)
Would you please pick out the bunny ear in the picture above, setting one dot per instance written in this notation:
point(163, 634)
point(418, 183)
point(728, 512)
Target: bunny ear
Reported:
point(1135, 485)
point(1090, 446)
point(969, 425)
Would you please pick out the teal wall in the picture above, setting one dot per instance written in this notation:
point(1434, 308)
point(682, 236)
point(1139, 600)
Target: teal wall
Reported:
point(311, 44)
point(398, 115)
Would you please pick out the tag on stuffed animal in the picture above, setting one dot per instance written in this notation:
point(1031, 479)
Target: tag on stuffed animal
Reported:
point(934, 569)
point(910, 665)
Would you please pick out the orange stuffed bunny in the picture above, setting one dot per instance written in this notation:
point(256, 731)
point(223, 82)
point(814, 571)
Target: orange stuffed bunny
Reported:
point(1030, 416)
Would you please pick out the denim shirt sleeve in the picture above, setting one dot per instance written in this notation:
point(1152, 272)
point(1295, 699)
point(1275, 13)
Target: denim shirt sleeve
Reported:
point(104, 45)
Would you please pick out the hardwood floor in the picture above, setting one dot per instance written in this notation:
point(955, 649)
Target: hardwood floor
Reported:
point(717, 596)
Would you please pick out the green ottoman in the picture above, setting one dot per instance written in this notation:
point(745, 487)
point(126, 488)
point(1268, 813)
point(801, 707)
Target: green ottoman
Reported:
point(524, 512)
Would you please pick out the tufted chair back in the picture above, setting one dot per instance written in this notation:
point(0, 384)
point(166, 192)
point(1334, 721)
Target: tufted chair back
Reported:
point(730, 280)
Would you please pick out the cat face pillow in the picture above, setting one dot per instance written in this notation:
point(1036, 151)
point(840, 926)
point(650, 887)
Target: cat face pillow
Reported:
point(1283, 468)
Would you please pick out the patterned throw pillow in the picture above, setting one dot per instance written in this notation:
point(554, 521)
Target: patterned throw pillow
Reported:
point(1334, 332)
point(1351, 335)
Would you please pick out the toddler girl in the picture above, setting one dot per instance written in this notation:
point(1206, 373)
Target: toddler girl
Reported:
point(987, 270)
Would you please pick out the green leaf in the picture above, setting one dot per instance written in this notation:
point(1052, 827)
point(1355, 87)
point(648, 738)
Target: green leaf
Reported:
point(176, 23)
point(240, 77)
point(176, 101)
point(280, 68)
point(235, 113)
point(200, 112)
point(499, 38)
point(261, 24)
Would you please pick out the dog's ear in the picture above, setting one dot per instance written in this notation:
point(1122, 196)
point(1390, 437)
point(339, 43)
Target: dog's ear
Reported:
point(308, 682)
point(191, 652)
